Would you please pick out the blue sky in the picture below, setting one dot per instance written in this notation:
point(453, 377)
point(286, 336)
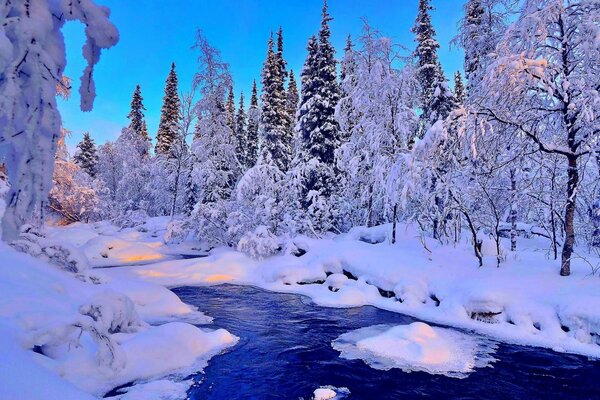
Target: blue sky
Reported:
point(156, 32)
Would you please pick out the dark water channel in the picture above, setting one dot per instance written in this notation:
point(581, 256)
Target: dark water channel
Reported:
point(285, 352)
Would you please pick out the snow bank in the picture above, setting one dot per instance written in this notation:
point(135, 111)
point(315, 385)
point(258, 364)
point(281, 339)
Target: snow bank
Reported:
point(525, 301)
point(417, 347)
point(76, 340)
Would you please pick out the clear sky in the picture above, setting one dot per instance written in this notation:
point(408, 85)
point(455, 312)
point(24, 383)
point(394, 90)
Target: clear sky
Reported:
point(156, 32)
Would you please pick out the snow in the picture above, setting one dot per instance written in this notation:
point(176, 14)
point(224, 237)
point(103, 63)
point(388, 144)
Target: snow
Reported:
point(77, 340)
point(524, 301)
point(416, 347)
point(330, 392)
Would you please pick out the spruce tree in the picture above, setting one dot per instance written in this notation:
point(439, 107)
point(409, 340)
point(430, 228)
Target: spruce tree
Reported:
point(275, 148)
point(292, 99)
point(429, 70)
point(459, 88)
point(136, 115)
point(169, 117)
point(191, 194)
point(241, 133)
point(318, 131)
point(86, 156)
point(252, 130)
point(306, 112)
point(230, 108)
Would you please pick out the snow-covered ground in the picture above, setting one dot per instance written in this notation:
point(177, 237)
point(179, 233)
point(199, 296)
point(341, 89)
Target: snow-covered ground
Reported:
point(525, 301)
point(67, 336)
point(83, 335)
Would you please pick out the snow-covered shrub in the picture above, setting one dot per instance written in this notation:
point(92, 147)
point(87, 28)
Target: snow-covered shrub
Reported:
point(131, 218)
point(113, 311)
point(260, 243)
point(177, 231)
point(33, 242)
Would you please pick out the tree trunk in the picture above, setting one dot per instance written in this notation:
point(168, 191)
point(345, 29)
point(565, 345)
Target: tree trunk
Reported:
point(567, 251)
point(394, 224)
point(513, 210)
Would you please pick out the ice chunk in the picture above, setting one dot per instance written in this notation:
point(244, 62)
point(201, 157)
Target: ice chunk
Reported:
point(417, 347)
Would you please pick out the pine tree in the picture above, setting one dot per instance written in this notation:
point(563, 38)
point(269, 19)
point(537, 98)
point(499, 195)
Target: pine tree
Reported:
point(136, 115)
point(86, 156)
point(241, 133)
point(275, 146)
point(459, 88)
point(252, 135)
point(230, 108)
point(169, 118)
point(429, 70)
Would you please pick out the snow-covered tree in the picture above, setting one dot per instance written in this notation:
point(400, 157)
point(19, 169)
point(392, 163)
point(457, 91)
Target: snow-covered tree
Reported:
point(429, 69)
point(459, 88)
point(169, 115)
point(318, 131)
point(482, 26)
point(292, 100)
point(275, 143)
point(548, 60)
point(216, 167)
point(75, 195)
point(86, 156)
point(382, 111)
point(253, 122)
point(32, 62)
point(136, 115)
point(230, 107)
point(241, 133)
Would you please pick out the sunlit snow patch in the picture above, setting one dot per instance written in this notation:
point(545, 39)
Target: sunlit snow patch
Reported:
point(417, 347)
point(330, 393)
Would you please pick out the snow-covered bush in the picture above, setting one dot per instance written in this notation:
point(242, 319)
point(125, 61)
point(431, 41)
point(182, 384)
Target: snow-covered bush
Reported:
point(113, 311)
point(131, 218)
point(177, 231)
point(260, 243)
point(66, 257)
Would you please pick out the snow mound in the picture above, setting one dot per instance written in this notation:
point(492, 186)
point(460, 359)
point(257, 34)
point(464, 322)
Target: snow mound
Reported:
point(330, 392)
point(417, 347)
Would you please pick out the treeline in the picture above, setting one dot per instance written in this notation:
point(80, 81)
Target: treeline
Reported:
point(514, 151)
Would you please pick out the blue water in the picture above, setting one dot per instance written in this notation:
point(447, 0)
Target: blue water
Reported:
point(285, 352)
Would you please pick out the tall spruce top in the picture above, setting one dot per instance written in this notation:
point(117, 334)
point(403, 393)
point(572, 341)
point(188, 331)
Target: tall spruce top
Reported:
point(169, 116)
point(136, 115)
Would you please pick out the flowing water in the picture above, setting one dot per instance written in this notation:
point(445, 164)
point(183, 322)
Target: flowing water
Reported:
point(285, 352)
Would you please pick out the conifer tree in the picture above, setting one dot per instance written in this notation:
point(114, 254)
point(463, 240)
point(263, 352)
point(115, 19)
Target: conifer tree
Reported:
point(252, 130)
point(169, 118)
point(275, 148)
point(86, 156)
point(136, 115)
point(329, 92)
point(241, 133)
point(429, 70)
point(230, 108)
point(459, 88)
point(318, 131)
point(292, 99)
